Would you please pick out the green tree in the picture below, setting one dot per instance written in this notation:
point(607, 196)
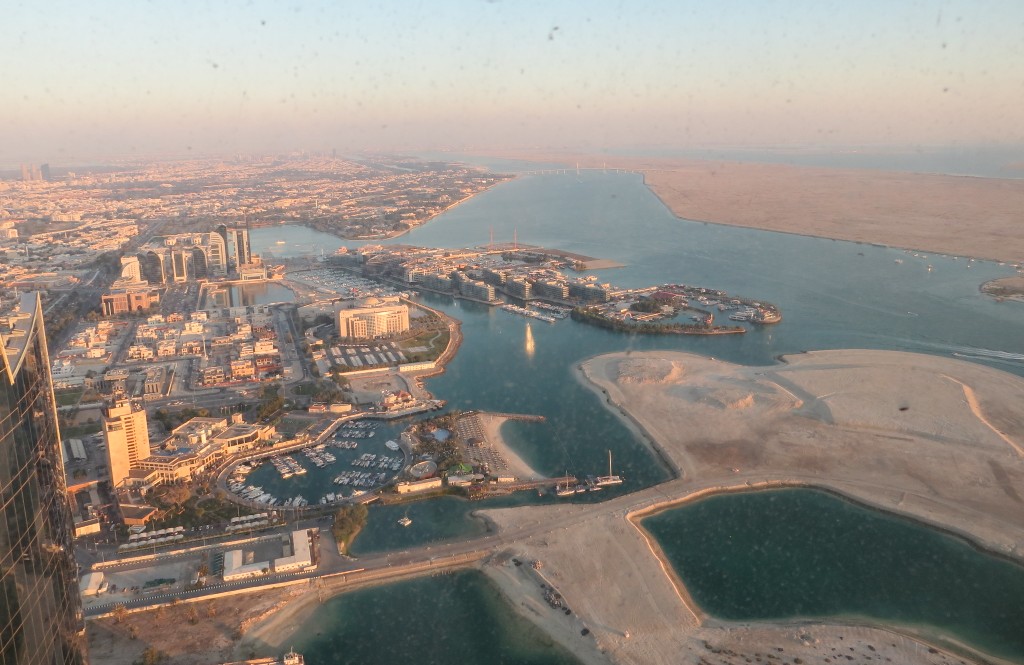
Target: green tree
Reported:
point(347, 523)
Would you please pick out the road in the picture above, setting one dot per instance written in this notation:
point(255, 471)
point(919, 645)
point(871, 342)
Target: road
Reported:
point(336, 571)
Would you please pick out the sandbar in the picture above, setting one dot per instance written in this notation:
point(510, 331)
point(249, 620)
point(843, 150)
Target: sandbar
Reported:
point(1008, 288)
point(932, 438)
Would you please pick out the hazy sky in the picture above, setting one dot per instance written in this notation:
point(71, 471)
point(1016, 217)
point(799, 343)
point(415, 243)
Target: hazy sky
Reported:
point(91, 78)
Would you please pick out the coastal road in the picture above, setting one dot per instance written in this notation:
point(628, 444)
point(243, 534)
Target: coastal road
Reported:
point(336, 572)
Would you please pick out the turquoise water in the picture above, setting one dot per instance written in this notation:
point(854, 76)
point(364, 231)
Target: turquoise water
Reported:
point(459, 618)
point(833, 294)
point(800, 553)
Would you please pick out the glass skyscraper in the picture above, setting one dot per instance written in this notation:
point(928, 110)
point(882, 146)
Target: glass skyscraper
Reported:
point(40, 608)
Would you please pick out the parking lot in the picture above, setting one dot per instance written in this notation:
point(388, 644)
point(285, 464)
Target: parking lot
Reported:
point(479, 452)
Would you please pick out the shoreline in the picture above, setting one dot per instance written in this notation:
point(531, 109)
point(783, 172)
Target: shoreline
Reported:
point(522, 597)
point(905, 210)
point(492, 424)
point(675, 470)
point(407, 231)
point(926, 634)
point(594, 370)
point(1004, 288)
point(621, 405)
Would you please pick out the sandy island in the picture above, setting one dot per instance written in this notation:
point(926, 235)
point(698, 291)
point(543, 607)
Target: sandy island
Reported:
point(956, 215)
point(932, 438)
point(1005, 288)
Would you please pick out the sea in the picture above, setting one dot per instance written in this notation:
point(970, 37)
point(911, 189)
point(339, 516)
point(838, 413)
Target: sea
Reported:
point(833, 295)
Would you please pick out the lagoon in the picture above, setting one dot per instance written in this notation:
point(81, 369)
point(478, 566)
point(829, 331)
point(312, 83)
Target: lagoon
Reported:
point(805, 554)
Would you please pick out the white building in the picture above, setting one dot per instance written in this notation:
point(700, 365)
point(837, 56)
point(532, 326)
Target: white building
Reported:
point(372, 318)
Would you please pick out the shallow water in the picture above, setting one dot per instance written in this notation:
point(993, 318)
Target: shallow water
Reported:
point(460, 618)
point(799, 553)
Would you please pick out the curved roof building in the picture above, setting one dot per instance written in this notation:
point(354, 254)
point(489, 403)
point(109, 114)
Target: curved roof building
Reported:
point(40, 608)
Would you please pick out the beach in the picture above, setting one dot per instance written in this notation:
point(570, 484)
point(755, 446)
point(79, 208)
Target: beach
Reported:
point(515, 464)
point(955, 215)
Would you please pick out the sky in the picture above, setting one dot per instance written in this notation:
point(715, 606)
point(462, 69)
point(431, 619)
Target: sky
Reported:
point(84, 80)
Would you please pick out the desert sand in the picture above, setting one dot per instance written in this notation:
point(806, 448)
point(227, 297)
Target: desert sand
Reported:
point(210, 635)
point(932, 438)
point(957, 215)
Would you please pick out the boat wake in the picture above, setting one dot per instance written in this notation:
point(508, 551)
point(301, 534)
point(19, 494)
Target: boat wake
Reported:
point(986, 354)
point(971, 352)
point(988, 359)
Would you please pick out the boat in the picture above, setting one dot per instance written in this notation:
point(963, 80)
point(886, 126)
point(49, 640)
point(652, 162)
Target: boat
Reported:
point(392, 444)
point(566, 489)
point(610, 479)
point(405, 521)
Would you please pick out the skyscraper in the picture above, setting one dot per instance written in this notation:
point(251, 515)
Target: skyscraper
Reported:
point(242, 239)
point(124, 425)
point(40, 609)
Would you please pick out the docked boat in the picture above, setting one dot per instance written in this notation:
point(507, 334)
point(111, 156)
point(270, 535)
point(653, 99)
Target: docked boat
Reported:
point(567, 489)
point(610, 479)
point(392, 445)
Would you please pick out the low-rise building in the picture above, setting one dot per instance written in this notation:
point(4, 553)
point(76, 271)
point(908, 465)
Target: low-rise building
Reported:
point(408, 487)
point(128, 300)
point(195, 447)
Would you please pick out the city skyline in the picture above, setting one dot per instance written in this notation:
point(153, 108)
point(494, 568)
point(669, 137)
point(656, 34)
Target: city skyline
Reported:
point(113, 79)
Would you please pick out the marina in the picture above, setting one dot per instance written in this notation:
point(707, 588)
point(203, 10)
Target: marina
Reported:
point(309, 475)
point(529, 313)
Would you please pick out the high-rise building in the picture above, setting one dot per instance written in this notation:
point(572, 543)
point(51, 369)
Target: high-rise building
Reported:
point(230, 245)
point(40, 609)
point(242, 242)
point(236, 244)
point(217, 255)
point(124, 425)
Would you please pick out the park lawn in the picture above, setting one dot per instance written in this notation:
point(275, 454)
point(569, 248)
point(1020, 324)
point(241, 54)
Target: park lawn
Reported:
point(68, 398)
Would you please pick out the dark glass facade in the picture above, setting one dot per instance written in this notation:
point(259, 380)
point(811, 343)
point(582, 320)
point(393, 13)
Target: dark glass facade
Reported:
point(40, 608)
